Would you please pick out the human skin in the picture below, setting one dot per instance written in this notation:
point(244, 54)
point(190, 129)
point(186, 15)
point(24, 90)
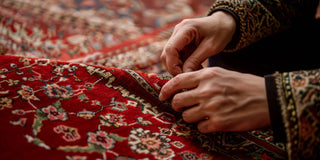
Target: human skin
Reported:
point(219, 99)
point(215, 98)
point(195, 40)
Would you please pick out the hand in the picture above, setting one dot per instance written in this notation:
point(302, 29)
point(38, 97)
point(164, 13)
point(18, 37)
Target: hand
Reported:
point(317, 15)
point(195, 40)
point(219, 99)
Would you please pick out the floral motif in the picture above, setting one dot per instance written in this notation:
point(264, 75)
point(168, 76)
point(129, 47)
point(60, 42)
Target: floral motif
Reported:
point(82, 122)
point(56, 91)
point(113, 120)
point(76, 157)
point(18, 112)
point(165, 117)
point(132, 103)
point(58, 70)
point(299, 80)
point(144, 141)
point(85, 114)
point(55, 114)
point(20, 122)
point(119, 106)
point(12, 82)
point(143, 122)
point(102, 139)
point(27, 93)
point(70, 134)
point(189, 156)
point(178, 144)
point(5, 102)
point(165, 154)
point(181, 129)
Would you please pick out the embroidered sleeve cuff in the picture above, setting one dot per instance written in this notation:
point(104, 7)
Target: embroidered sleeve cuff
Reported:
point(275, 109)
point(254, 21)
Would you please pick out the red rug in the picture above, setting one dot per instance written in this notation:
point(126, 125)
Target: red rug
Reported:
point(58, 110)
point(122, 34)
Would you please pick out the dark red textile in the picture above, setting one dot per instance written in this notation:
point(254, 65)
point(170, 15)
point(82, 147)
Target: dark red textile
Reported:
point(58, 110)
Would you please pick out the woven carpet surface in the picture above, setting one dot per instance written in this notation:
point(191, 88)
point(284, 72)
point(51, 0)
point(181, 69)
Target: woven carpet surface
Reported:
point(61, 110)
point(79, 80)
point(115, 33)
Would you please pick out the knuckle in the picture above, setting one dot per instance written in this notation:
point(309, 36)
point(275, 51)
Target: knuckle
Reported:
point(195, 62)
point(204, 93)
point(182, 24)
point(217, 71)
point(186, 117)
point(168, 48)
point(177, 80)
point(185, 21)
point(206, 73)
point(210, 72)
point(176, 101)
point(219, 123)
point(163, 57)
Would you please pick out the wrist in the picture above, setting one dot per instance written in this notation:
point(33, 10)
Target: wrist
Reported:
point(232, 20)
point(227, 20)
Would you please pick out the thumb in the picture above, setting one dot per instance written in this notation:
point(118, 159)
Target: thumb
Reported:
point(195, 60)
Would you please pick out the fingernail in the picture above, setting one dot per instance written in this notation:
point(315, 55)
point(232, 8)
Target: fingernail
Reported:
point(160, 96)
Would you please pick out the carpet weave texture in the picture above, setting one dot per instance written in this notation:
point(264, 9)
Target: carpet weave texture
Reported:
point(60, 110)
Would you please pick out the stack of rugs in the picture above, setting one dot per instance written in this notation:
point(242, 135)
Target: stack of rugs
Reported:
point(79, 80)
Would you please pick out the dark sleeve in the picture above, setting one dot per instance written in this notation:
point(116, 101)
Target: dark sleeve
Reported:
point(275, 109)
point(258, 19)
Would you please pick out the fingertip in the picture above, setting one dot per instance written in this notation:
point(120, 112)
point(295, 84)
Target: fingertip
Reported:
point(175, 70)
point(161, 97)
point(163, 94)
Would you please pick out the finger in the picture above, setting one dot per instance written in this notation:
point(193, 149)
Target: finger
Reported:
point(163, 54)
point(172, 63)
point(317, 16)
point(204, 51)
point(206, 126)
point(176, 84)
point(184, 99)
point(171, 52)
point(194, 114)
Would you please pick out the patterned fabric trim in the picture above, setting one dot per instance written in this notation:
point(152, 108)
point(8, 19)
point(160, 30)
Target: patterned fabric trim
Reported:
point(287, 107)
point(256, 21)
point(143, 83)
point(300, 97)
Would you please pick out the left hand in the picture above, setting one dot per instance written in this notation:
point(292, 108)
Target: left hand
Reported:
point(219, 99)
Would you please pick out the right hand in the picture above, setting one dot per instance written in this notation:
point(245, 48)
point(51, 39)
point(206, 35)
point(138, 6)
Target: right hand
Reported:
point(219, 100)
point(195, 40)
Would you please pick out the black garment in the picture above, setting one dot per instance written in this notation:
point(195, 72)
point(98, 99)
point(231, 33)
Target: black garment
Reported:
point(297, 48)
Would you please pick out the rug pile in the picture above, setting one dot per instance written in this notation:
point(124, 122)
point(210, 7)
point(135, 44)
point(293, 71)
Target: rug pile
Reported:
point(61, 110)
point(122, 34)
